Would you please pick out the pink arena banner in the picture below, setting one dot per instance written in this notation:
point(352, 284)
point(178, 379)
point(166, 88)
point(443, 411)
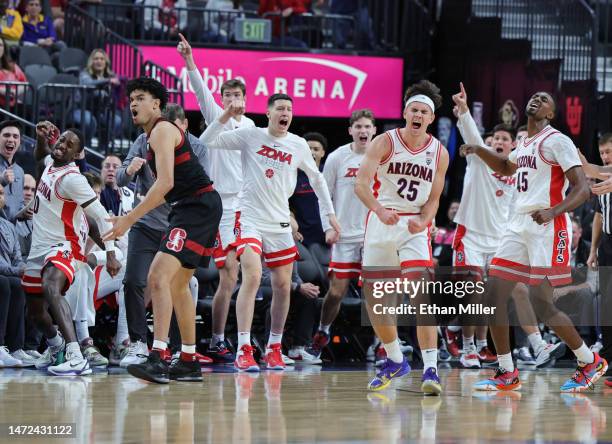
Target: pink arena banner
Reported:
point(321, 85)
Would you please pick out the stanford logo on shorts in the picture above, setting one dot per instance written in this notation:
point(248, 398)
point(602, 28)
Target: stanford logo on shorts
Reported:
point(176, 240)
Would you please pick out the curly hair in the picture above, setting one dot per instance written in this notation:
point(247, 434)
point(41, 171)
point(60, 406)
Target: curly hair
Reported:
point(152, 86)
point(427, 88)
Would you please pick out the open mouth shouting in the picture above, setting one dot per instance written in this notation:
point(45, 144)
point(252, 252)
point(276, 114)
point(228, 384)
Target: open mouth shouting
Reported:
point(416, 125)
point(284, 123)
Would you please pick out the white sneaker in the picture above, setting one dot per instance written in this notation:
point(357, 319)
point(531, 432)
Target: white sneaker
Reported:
point(301, 355)
point(74, 365)
point(33, 353)
point(118, 352)
point(137, 354)
point(26, 359)
point(371, 353)
point(469, 360)
point(6, 360)
point(548, 353)
point(523, 356)
point(287, 360)
point(49, 357)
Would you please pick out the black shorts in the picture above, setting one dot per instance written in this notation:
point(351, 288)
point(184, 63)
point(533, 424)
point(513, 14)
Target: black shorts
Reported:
point(194, 222)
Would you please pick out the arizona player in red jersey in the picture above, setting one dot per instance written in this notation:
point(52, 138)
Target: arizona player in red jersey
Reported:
point(189, 240)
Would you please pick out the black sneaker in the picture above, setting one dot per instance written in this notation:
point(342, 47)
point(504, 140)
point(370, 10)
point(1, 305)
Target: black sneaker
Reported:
point(154, 370)
point(185, 370)
point(220, 354)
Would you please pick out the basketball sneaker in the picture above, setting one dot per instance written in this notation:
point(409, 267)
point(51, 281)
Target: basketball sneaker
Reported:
point(586, 375)
point(388, 372)
point(380, 355)
point(430, 382)
point(245, 362)
point(26, 359)
point(470, 360)
point(6, 360)
point(274, 357)
point(486, 356)
point(154, 369)
point(452, 342)
point(203, 359)
point(137, 354)
point(319, 342)
point(523, 356)
point(74, 365)
point(502, 380)
point(596, 348)
point(443, 354)
point(51, 356)
point(118, 352)
point(184, 369)
point(219, 353)
point(286, 359)
point(299, 354)
point(608, 382)
point(33, 353)
point(548, 353)
point(92, 354)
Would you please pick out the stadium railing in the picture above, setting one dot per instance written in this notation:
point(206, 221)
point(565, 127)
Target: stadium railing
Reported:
point(18, 98)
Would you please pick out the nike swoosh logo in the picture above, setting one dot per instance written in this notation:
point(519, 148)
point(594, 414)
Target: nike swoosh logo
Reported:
point(75, 365)
point(395, 372)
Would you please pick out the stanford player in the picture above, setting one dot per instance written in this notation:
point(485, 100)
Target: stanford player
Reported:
point(194, 220)
point(62, 197)
point(407, 166)
point(535, 248)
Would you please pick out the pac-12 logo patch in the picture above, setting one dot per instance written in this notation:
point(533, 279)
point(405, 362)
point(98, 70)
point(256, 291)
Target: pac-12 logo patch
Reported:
point(269, 173)
point(176, 240)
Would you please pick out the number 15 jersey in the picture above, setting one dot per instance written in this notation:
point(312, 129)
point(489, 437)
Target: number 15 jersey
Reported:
point(542, 161)
point(404, 178)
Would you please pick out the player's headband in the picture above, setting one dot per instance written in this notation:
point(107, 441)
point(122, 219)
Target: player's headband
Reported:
point(422, 98)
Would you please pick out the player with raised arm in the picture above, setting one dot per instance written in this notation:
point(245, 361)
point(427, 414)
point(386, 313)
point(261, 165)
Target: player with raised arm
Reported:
point(63, 197)
point(270, 159)
point(226, 172)
point(407, 166)
point(194, 220)
point(535, 248)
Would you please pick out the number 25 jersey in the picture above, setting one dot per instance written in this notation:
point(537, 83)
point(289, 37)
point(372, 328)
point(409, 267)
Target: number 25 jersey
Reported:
point(542, 161)
point(404, 178)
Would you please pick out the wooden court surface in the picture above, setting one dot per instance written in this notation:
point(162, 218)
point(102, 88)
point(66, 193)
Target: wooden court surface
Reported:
point(303, 405)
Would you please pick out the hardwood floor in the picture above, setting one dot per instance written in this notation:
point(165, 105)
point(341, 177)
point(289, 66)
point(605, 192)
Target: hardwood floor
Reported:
point(304, 405)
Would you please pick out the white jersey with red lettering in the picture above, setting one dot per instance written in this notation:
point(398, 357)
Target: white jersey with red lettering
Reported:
point(270, 167)
point(58, 216)
point(487, 196)
point(340, 172)
point(404, 179)
point(542, 161)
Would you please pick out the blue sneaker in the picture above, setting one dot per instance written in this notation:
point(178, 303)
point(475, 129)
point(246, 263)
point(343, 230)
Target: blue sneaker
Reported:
point(389, 371)
point(431, 382)
point(586, 376)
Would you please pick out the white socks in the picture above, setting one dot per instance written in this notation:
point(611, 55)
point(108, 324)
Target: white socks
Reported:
point(82, 330)
point(55, 341)
point(73, 350)
point(325, 328)
point(430, 358)
point(468, 345)
point(584, 354)
point(536, 342)
point(189, 349)
point(244, 338)
point(506, 362)
point(274, 339)
point(480, 344)
point(160, 345)
point(393, 352)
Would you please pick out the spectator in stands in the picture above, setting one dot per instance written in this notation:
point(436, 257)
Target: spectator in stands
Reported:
point(281, 12)
point(521, 133)
point(24, 227)
point(98, 73)
point(363, 33)
point(12, 297)
point(38, 29)
point(9, 72)
point(11, 27)
point(304, 203)
point(11, 174)
point(219, 27)
point(110, 197)
point(58, 9)
point(162, 19)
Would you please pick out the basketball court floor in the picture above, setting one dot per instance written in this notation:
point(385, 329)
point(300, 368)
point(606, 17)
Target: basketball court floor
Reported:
point(306, 404)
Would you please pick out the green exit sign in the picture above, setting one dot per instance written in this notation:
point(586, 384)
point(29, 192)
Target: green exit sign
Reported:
point(252, 30)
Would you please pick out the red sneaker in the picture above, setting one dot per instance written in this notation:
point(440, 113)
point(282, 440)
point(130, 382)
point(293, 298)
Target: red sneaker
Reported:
point(486, 355)
point(244, 360)
point(452, 342)
point(165, 355)
point(608, 381)
point(274, 358)
point(203, 359)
